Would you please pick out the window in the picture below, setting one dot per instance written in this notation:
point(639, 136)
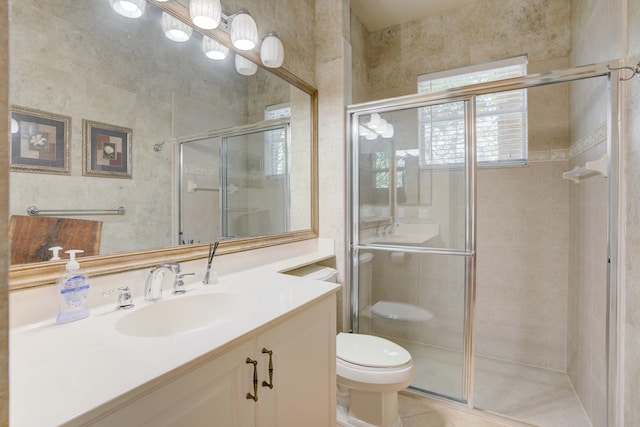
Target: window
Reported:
point(275, 144)
point(381, 165)
point(501, 118)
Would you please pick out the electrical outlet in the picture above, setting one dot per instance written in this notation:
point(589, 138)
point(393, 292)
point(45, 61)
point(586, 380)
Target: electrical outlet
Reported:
point(423, 213)
point(400, 212)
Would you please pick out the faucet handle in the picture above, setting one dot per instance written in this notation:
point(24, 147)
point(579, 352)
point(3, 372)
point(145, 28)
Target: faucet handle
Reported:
point(125, 300)
point(173, 266)
point(178, 285)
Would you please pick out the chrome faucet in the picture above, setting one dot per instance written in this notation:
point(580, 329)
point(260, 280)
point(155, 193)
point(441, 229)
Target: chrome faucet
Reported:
point(125, 300)
point(155, 280)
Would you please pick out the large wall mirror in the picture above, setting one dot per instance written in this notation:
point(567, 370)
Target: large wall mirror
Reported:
point(110, 113)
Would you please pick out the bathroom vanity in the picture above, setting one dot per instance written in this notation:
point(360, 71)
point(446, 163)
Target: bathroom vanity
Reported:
point(190, 367)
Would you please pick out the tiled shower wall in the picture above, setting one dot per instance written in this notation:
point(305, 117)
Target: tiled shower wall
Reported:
point(595, 36)
point(587, 304)
point(522, 263)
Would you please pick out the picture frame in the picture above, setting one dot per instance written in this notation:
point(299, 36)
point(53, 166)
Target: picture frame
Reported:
point(106, 150)
point(40, 141)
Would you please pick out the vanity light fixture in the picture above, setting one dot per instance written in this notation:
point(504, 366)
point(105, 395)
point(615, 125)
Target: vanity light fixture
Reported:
point(175, 29)
point(205, 13)
point(213, 49)
point(129, 8)
point(208, 15)
point(272, 51)
point(244, 66)
point(243, 31)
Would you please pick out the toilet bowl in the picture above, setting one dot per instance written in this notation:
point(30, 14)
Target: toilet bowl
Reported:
point(399, 320)
point(370, 372)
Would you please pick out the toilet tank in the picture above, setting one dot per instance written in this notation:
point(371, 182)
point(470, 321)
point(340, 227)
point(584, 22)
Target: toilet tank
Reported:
point(316, 272)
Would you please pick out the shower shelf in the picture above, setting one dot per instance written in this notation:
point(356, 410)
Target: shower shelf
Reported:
point(595, 167)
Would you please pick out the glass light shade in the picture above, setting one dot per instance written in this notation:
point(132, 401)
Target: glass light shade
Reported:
point(175, 29)
point(379, 129)
point(243, 31)
point(367, 133)
point(205, 13)
point(272, 51)
point(14, 126)
point(388, 131)
point(374, 121)
point(245, 67)
point(213, 49)
point(129, 8)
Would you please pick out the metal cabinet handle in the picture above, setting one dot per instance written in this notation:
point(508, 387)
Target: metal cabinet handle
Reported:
point(253, 396)
point(270, 383)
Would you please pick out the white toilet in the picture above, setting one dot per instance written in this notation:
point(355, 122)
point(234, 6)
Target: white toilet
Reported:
point(371, 371)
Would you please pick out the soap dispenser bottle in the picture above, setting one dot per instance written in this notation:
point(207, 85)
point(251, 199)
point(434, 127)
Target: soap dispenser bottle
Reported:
point(73, 288)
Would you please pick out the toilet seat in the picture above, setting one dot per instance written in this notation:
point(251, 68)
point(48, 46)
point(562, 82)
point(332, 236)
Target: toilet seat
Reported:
point(399, 311)
point(370, 351)
point(372, 363)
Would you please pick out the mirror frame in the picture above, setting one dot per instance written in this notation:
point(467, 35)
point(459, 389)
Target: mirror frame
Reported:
point(45, 273)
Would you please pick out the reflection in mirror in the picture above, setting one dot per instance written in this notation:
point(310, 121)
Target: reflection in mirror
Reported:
point(249, 194)
point(82, 60)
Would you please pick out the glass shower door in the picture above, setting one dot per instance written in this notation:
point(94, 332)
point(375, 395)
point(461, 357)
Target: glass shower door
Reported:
point(412, 236)
point(255, 182)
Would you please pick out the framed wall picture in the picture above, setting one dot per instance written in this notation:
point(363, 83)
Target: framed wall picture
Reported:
point(39, 141)
point(106, 150)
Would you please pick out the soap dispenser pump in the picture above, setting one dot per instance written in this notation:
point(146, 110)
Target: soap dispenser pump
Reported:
point(56, 251)
point(73, 288)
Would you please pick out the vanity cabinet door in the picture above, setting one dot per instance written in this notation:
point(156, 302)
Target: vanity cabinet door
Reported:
point(212, 395)
point(304, 369)
point(215, 394)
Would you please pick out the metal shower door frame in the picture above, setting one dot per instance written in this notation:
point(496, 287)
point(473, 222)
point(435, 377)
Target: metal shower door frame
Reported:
point(469, 251)
point(608, 70)
point(248, 130)
point(221, 134)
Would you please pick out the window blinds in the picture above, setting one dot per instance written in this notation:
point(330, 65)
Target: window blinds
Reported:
point(501, 118)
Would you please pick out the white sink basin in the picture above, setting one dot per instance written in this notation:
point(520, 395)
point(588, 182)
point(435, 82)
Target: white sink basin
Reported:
point(408, 234)
point(185, 314)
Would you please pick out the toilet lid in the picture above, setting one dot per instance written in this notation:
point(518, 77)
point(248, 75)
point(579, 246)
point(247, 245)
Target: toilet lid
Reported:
point(401, 311)
point(316, 272)
point(369, 350)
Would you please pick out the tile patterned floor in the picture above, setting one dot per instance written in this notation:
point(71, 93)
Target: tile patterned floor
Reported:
point(423, 411)
point(538, 396)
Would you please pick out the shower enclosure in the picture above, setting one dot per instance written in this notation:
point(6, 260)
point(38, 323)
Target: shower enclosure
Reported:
point(234, 183)
point(475, 267)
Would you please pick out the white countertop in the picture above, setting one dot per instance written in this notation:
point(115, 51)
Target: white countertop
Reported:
point(60, 372)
